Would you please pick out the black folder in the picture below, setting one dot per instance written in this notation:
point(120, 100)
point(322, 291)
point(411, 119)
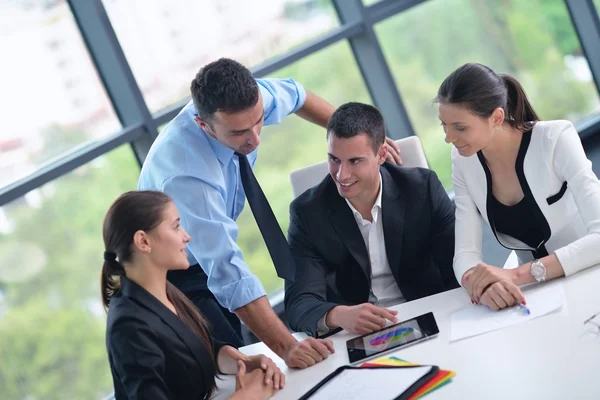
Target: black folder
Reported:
point(401, 396)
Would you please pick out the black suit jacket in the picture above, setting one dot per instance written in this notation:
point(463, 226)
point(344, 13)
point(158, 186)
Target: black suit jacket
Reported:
point(152, 353)
point(332, 262)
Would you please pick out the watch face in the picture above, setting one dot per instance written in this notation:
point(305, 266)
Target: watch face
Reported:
point(538, 271)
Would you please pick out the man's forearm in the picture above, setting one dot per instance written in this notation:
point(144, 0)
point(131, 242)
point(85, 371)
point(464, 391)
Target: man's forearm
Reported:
point(316, 110)
point(262, 320)
point(332, 317)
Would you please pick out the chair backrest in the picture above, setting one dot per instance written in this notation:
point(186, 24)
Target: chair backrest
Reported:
point(411, 152)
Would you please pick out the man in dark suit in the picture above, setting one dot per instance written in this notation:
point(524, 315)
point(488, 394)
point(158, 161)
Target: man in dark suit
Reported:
point(369, 236)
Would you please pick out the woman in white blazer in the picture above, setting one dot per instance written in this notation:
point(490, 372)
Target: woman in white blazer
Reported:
point(530, 180)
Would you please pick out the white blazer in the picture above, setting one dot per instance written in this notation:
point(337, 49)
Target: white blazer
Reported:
point(561, 191)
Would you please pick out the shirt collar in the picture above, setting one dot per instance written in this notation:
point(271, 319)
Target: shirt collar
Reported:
point(376, 206)
point(224, 154)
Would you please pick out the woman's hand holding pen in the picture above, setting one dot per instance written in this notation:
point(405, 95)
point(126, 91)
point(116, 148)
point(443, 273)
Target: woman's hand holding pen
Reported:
point(502, 294)
point(492, 286)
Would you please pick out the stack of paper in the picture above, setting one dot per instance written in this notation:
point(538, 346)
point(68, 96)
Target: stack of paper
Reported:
point(440, 379)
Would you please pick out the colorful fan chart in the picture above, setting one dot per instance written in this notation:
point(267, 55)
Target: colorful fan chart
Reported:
point(389, 337)
point(442, 378)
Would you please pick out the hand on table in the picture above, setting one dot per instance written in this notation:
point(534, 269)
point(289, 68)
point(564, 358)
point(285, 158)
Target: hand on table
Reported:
point(492, 286)
point(229, 358)
point(308, 352)
point(272, 372)
point(477, 279)
point(502, 294)
point(252, 384)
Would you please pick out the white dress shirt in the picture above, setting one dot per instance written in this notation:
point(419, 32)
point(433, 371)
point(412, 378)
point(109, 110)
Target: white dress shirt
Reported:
point(384, 289)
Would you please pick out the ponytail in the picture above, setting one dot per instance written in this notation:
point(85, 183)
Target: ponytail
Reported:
point(110, 278)
point(480, 90)
point(519, 111)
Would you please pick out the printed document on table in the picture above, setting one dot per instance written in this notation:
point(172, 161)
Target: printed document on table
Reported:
point(477, 319)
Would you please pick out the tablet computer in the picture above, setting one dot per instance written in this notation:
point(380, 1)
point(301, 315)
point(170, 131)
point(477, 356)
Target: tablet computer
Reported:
point(392, 337)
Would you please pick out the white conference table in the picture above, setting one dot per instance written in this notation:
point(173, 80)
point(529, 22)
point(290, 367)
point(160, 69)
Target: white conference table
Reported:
point(554, 356)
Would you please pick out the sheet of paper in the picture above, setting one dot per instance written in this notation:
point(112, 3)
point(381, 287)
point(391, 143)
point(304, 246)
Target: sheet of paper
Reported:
point(475, 320)
point(380, 383)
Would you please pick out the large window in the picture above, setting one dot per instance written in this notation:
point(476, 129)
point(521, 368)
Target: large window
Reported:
point(332, 74)
point(51, 98)
point(52, 322)
point(166, 42)
point(532, 40)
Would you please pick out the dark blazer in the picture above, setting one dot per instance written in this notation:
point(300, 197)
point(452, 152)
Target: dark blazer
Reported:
point(152, 353)
point(332, 262)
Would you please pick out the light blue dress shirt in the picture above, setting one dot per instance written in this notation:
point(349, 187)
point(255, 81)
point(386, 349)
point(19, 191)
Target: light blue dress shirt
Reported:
point(202, 177)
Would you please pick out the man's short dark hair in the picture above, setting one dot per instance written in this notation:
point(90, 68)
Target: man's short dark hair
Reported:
point(223, 85)
point(352, 119)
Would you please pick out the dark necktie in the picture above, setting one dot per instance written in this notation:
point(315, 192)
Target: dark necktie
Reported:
point(270, 230)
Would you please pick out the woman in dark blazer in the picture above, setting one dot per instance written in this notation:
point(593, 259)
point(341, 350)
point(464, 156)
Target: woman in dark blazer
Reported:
point(530, 180)
point(159, 346)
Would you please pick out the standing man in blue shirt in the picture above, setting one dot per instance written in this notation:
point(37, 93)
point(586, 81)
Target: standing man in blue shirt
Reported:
point(193, 160)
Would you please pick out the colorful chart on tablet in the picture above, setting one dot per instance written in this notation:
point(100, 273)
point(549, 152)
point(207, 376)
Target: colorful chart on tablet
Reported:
point(391, 336)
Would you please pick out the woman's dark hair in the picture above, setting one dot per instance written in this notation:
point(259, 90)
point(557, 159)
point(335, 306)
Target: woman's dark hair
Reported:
point(131, 212)
point(481, 91)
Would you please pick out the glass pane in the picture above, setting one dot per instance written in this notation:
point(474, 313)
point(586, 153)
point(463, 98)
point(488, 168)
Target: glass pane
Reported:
point(166, 42)
point(549, 62)
point(51, 98)
point(52, 322)
point(305, 143)
point(367, 3)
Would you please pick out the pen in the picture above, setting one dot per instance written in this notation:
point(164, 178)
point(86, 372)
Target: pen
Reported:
point(523, 308)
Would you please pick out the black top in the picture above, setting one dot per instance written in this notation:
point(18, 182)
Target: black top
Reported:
point(534, 215)
point(517, 221)
point(152, 353)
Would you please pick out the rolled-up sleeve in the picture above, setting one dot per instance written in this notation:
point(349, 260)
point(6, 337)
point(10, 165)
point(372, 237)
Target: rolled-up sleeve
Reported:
point(281, 97)
point(202, 209)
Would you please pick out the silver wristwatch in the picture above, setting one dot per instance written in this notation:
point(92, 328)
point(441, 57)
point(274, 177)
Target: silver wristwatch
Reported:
point(538, 270)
